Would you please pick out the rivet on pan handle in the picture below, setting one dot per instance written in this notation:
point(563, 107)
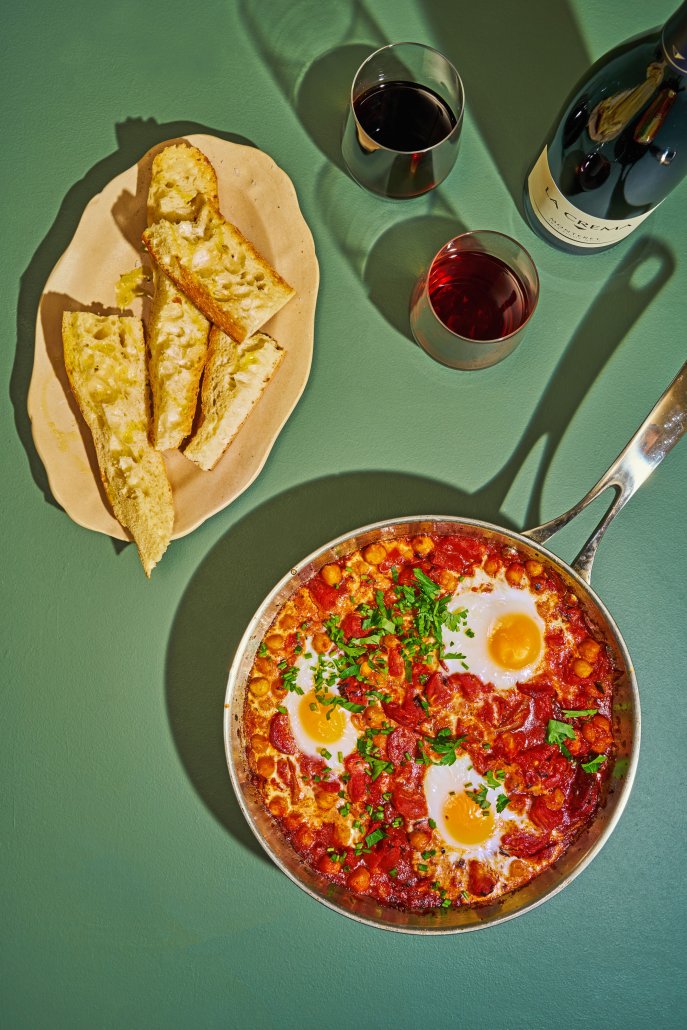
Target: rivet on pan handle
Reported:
point(656, 436)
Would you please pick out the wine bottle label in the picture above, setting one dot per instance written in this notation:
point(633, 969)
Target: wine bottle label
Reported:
point(565, 221)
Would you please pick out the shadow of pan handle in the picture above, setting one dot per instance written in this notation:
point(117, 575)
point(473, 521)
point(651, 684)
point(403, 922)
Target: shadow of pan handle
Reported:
point(663, 427)
point(623, 299)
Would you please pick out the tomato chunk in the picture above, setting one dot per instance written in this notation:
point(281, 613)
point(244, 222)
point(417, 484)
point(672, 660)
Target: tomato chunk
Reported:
point(281, 736)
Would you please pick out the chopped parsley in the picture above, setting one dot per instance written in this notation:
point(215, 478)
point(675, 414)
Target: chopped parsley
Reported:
point(501, 802)
point(595, 764)
point(445, 745)
point(480, 797)
point(558, 732)
point(495, 778)
point(572, 714)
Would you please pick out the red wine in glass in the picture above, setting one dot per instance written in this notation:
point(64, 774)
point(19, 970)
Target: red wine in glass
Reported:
point(404, 116)
point(471, 308)
point(478, 296)
point(402, 129)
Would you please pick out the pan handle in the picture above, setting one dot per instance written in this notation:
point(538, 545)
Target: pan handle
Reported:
point(656, 436)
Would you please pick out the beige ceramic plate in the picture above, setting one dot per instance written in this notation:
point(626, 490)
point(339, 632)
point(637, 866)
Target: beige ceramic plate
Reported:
point(260, 199)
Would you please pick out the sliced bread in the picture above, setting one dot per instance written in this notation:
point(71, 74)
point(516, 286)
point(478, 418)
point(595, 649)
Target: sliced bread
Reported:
point(219, 270)
point(182, 180)
point(105, 360)
point(236, 375)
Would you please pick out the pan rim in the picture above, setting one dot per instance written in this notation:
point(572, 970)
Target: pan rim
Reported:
point(623, 791)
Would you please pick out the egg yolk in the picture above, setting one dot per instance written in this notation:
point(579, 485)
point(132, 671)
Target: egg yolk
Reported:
point(466, 822)
point(514, 641)
point(313, 718)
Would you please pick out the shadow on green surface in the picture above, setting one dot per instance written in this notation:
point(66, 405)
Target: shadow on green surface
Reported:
point(134, 137)
point(313, 51)
point(624, 297)
point(231, 583)
point(518, 62)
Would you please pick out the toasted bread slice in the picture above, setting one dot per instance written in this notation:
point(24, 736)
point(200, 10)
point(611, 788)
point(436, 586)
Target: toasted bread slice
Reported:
point(182, 180)
point(177, 343)
point(236, 375)
point(105, 360)
point(219, 270)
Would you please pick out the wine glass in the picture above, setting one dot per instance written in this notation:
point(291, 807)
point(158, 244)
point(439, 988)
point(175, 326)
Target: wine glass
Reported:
point(403, 125)
point(470, 309)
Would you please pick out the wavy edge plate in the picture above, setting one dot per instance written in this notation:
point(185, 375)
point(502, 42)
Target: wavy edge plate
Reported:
point(261, 200)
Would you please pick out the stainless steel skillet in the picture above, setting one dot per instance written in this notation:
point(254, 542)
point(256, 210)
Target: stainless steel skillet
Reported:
point(657, 435)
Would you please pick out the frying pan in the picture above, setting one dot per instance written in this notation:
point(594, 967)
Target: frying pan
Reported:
point(657, 435)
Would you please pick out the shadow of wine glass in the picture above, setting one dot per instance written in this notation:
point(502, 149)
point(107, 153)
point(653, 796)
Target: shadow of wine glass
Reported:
point(232, 581)
point(386, 245)
point(515, 80)
point(313, 52)
point(134, 137)
point(623, 299)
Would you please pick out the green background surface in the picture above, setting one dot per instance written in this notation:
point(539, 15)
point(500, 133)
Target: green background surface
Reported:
point(133, 894)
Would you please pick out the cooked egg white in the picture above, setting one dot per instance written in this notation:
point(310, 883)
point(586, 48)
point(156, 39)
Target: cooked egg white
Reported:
point(470, 830)
point(501, 637)
point(322, 731)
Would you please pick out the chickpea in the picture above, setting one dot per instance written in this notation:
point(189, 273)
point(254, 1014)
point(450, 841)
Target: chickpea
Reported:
point(331, 574)
point(534, 568)
point(278, 806)
point(375, 717)
point(321, 643)
point(589, 649)
point(325, 800)
point(358, 721)
point(259, 686)
point(423, 545)
point(420, 840)
point(259, 743)
point(518, 869)
point(389, 640)
point(374, 554)
point(515, 574)
point(597, 732)
point(292, 822)
point(274, 642)
point(366, 669)
point(265, 766)
point(491, 566)
point(288, 622)
point(328, 866)
point(404, 549)
point(306, 838)
point(582, 669)
point(264, 665)
point(555, 801)
point(447, 580)
point(359, 879)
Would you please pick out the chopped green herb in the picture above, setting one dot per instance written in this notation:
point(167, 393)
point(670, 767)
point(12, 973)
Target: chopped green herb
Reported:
point(480, 797)
point(595, 764)
point(495, 778)
point(557, 732)
point(374, 837)
point(572, 714)
point(281, 709)
point(262, 650)
point(502, 802)
point(431, 823)
point(323, 751)
point(422, 867)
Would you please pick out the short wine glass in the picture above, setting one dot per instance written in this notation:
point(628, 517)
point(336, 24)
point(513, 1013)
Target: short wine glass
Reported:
point(470, 309)
point(403, 125)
